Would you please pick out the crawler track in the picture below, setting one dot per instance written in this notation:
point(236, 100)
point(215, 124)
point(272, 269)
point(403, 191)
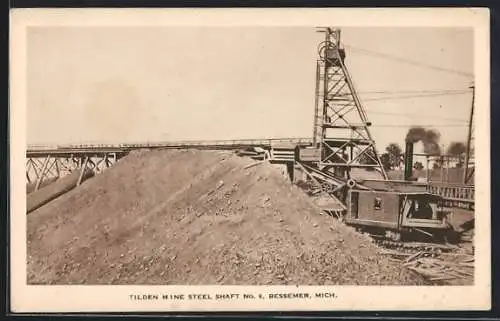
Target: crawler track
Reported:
point(414, 247)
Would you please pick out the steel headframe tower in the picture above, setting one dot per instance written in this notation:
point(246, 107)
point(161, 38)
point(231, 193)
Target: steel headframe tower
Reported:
point(340, 124)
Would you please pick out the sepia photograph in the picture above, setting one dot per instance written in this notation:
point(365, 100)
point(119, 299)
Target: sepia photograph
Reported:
point(303, 157)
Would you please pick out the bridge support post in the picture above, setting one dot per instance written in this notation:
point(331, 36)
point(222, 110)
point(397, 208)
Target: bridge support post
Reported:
point(42, 173)
point(82, 171)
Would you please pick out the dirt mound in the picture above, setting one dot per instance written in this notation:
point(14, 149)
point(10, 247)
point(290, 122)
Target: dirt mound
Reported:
point(190, 217)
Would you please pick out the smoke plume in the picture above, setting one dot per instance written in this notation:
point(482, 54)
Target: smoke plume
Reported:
point(428, 137)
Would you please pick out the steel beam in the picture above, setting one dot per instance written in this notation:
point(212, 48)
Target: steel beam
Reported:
point(343, 122)
point(42, 172)
point(61, 164)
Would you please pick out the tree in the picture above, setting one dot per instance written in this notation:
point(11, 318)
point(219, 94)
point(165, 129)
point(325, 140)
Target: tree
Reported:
point(458, 149)
point(418, 166)
point(394, 153)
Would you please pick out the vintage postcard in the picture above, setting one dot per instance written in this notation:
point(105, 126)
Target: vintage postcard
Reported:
point(249, 159)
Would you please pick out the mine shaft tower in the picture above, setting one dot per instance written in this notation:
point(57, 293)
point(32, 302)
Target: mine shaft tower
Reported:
point(341, 126)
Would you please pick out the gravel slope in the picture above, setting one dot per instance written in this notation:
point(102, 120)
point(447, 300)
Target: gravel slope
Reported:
point(193, 217)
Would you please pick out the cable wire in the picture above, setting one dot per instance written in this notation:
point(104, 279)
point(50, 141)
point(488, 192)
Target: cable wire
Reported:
point(419, 116)
point(414, 96)
point(410, 62)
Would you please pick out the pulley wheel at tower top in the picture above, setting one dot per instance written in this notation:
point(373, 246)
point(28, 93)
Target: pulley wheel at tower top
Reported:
point(332, 53)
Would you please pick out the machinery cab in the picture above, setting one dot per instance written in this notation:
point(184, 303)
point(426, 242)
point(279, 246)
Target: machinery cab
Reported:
point(397, 211)
point(423, 210)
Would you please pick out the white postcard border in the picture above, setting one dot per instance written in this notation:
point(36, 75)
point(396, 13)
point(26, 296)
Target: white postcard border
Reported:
point(83, 298)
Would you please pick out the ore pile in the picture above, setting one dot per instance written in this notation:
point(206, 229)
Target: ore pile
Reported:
point(198, 217)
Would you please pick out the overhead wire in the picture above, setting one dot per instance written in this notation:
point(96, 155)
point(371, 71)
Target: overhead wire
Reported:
point(413, 115)
point(415, 96)
point(422, 94)
point(407, 94)
point(437, 91)
point(410, 62)
point(422, 125)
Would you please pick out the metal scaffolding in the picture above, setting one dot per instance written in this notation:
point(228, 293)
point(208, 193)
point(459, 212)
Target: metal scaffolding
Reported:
point(341, 126)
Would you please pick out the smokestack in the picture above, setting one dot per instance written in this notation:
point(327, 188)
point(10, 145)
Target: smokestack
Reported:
point(430, 139)
point(408, 160)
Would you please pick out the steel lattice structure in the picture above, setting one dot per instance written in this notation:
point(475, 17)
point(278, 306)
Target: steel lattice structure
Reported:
point(43, 165)
point(341, 124)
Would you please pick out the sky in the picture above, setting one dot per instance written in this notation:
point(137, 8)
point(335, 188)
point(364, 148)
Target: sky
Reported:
point(118, 84)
